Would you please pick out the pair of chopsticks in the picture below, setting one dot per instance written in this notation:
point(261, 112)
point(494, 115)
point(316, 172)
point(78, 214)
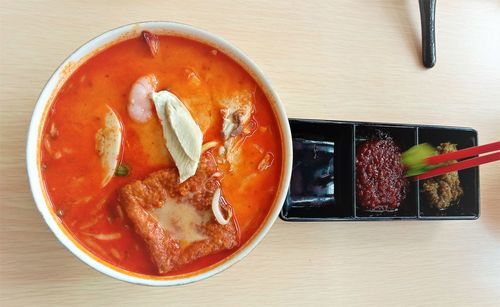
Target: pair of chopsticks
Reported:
point(463, 164)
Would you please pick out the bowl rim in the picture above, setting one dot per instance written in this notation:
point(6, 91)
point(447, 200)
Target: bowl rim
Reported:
point(52, 87)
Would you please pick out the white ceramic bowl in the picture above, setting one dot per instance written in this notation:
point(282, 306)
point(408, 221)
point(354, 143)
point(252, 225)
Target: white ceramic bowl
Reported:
point(57, 80)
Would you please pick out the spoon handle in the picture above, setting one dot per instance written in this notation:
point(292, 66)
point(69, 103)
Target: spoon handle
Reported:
point(427, 19)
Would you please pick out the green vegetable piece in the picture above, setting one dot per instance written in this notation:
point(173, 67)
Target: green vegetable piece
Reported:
point(414, 159)
point(121, 170)
point(416, 155)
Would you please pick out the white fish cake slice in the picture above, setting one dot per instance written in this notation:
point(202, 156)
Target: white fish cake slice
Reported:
point(108, 141)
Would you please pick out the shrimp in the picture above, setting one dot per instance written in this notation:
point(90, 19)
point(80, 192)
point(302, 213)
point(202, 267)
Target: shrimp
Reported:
point(139, 106)
point(153, 42)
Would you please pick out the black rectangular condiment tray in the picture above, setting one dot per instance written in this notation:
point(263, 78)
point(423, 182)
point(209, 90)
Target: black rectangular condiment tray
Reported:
point(323, 185)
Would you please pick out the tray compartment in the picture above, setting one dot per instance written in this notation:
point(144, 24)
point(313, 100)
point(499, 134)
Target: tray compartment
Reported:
point(404, 137)
point(322, 177)
point(467, 206)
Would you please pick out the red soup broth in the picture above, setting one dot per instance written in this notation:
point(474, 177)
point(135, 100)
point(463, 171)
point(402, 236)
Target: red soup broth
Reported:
point(71, 169)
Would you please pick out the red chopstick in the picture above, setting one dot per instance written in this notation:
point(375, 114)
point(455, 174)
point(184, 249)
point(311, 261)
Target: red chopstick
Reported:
point(464, 164)
point(463, 153)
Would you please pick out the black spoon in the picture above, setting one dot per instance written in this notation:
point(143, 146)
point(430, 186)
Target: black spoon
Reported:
point(427, 19)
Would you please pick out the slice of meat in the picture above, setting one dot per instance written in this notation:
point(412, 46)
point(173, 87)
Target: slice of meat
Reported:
point(170, 245)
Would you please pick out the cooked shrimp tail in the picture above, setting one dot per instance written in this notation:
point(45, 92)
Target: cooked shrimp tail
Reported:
point(139, 104)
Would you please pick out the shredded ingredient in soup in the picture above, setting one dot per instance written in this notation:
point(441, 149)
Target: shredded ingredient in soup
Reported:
point(216, 209)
